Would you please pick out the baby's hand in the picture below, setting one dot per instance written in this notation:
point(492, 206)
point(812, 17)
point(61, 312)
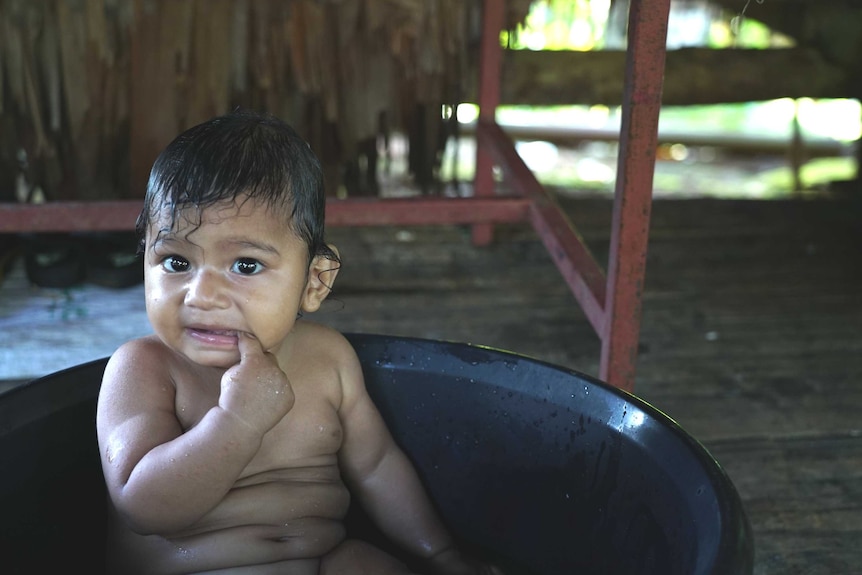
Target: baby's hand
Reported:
point(256, 390)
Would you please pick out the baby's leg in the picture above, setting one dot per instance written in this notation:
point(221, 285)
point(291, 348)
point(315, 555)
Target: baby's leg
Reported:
point(355, 557)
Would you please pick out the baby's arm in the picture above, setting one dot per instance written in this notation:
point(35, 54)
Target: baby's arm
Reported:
point(162, 479)
point(388, 487)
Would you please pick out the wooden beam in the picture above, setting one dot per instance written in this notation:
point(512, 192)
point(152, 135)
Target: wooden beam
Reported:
point(692, 76)
point(572, 137)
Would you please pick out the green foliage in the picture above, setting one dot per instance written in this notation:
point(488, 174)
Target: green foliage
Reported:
point(583, 25)
point(562, 25)
point(741, 32)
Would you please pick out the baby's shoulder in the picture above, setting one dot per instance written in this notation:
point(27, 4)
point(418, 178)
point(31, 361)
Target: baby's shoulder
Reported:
point(332, 354)
point(143, 349)
point(328, 346)
point(142, 357)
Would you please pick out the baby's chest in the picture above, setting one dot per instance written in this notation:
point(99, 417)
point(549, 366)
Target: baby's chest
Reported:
point(311, 429)
point(307, 440)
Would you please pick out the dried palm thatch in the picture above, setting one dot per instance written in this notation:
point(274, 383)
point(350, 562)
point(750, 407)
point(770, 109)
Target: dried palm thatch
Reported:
point(91, 90)
point(64, 97)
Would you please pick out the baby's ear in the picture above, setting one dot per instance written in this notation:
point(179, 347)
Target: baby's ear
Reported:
point(321, 276)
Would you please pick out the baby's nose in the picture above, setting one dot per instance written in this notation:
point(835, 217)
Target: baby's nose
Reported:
point(206, 289)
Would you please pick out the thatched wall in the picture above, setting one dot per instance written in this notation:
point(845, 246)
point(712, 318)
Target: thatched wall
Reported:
point(91, 90)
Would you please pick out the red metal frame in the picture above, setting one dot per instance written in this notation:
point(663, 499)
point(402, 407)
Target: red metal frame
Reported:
point(612, 302)
point(120, 215)
point(645, 61)
point(490, 64)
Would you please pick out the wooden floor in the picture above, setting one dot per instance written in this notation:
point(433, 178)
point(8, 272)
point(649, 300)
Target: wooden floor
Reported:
point(751, 339)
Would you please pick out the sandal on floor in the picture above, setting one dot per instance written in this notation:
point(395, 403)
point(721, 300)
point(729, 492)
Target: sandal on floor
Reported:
point(52, 260)
point(111, 259)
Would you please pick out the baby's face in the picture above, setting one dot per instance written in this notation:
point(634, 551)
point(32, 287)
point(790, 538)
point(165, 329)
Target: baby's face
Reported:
point(241, 270)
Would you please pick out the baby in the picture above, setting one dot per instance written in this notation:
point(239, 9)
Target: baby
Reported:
point(233, 438)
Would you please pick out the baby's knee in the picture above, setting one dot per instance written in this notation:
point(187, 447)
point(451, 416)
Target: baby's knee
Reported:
point(356, 557)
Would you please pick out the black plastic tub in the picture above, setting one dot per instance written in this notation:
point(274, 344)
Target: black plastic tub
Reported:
point(547, 470)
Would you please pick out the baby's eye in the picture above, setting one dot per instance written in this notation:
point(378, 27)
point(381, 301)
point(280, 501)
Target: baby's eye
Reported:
point(247, 266)
point(175, 264)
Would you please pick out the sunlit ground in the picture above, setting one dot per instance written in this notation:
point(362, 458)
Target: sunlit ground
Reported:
point(684, 170)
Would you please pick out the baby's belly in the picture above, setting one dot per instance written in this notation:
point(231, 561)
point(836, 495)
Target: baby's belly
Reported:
point(257, 524)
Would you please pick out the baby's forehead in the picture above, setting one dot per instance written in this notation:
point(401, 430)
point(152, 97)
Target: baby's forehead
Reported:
point(176, 218)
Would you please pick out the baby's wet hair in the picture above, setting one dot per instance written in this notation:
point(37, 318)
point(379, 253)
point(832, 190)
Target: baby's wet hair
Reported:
point(239, 156)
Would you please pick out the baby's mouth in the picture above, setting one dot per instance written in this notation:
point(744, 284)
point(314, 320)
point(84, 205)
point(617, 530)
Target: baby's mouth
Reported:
point(226, 332)
point(218, 337)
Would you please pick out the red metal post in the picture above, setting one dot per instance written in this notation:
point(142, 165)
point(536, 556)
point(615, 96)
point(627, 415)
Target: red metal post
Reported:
point(633, 194)
point(557, 232)
point(490, 62)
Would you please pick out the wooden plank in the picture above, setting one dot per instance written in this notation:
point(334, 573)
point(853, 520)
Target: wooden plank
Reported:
point(803, 496)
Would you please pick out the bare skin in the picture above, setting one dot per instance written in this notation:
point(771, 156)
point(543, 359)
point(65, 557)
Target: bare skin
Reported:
point(227, 436)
